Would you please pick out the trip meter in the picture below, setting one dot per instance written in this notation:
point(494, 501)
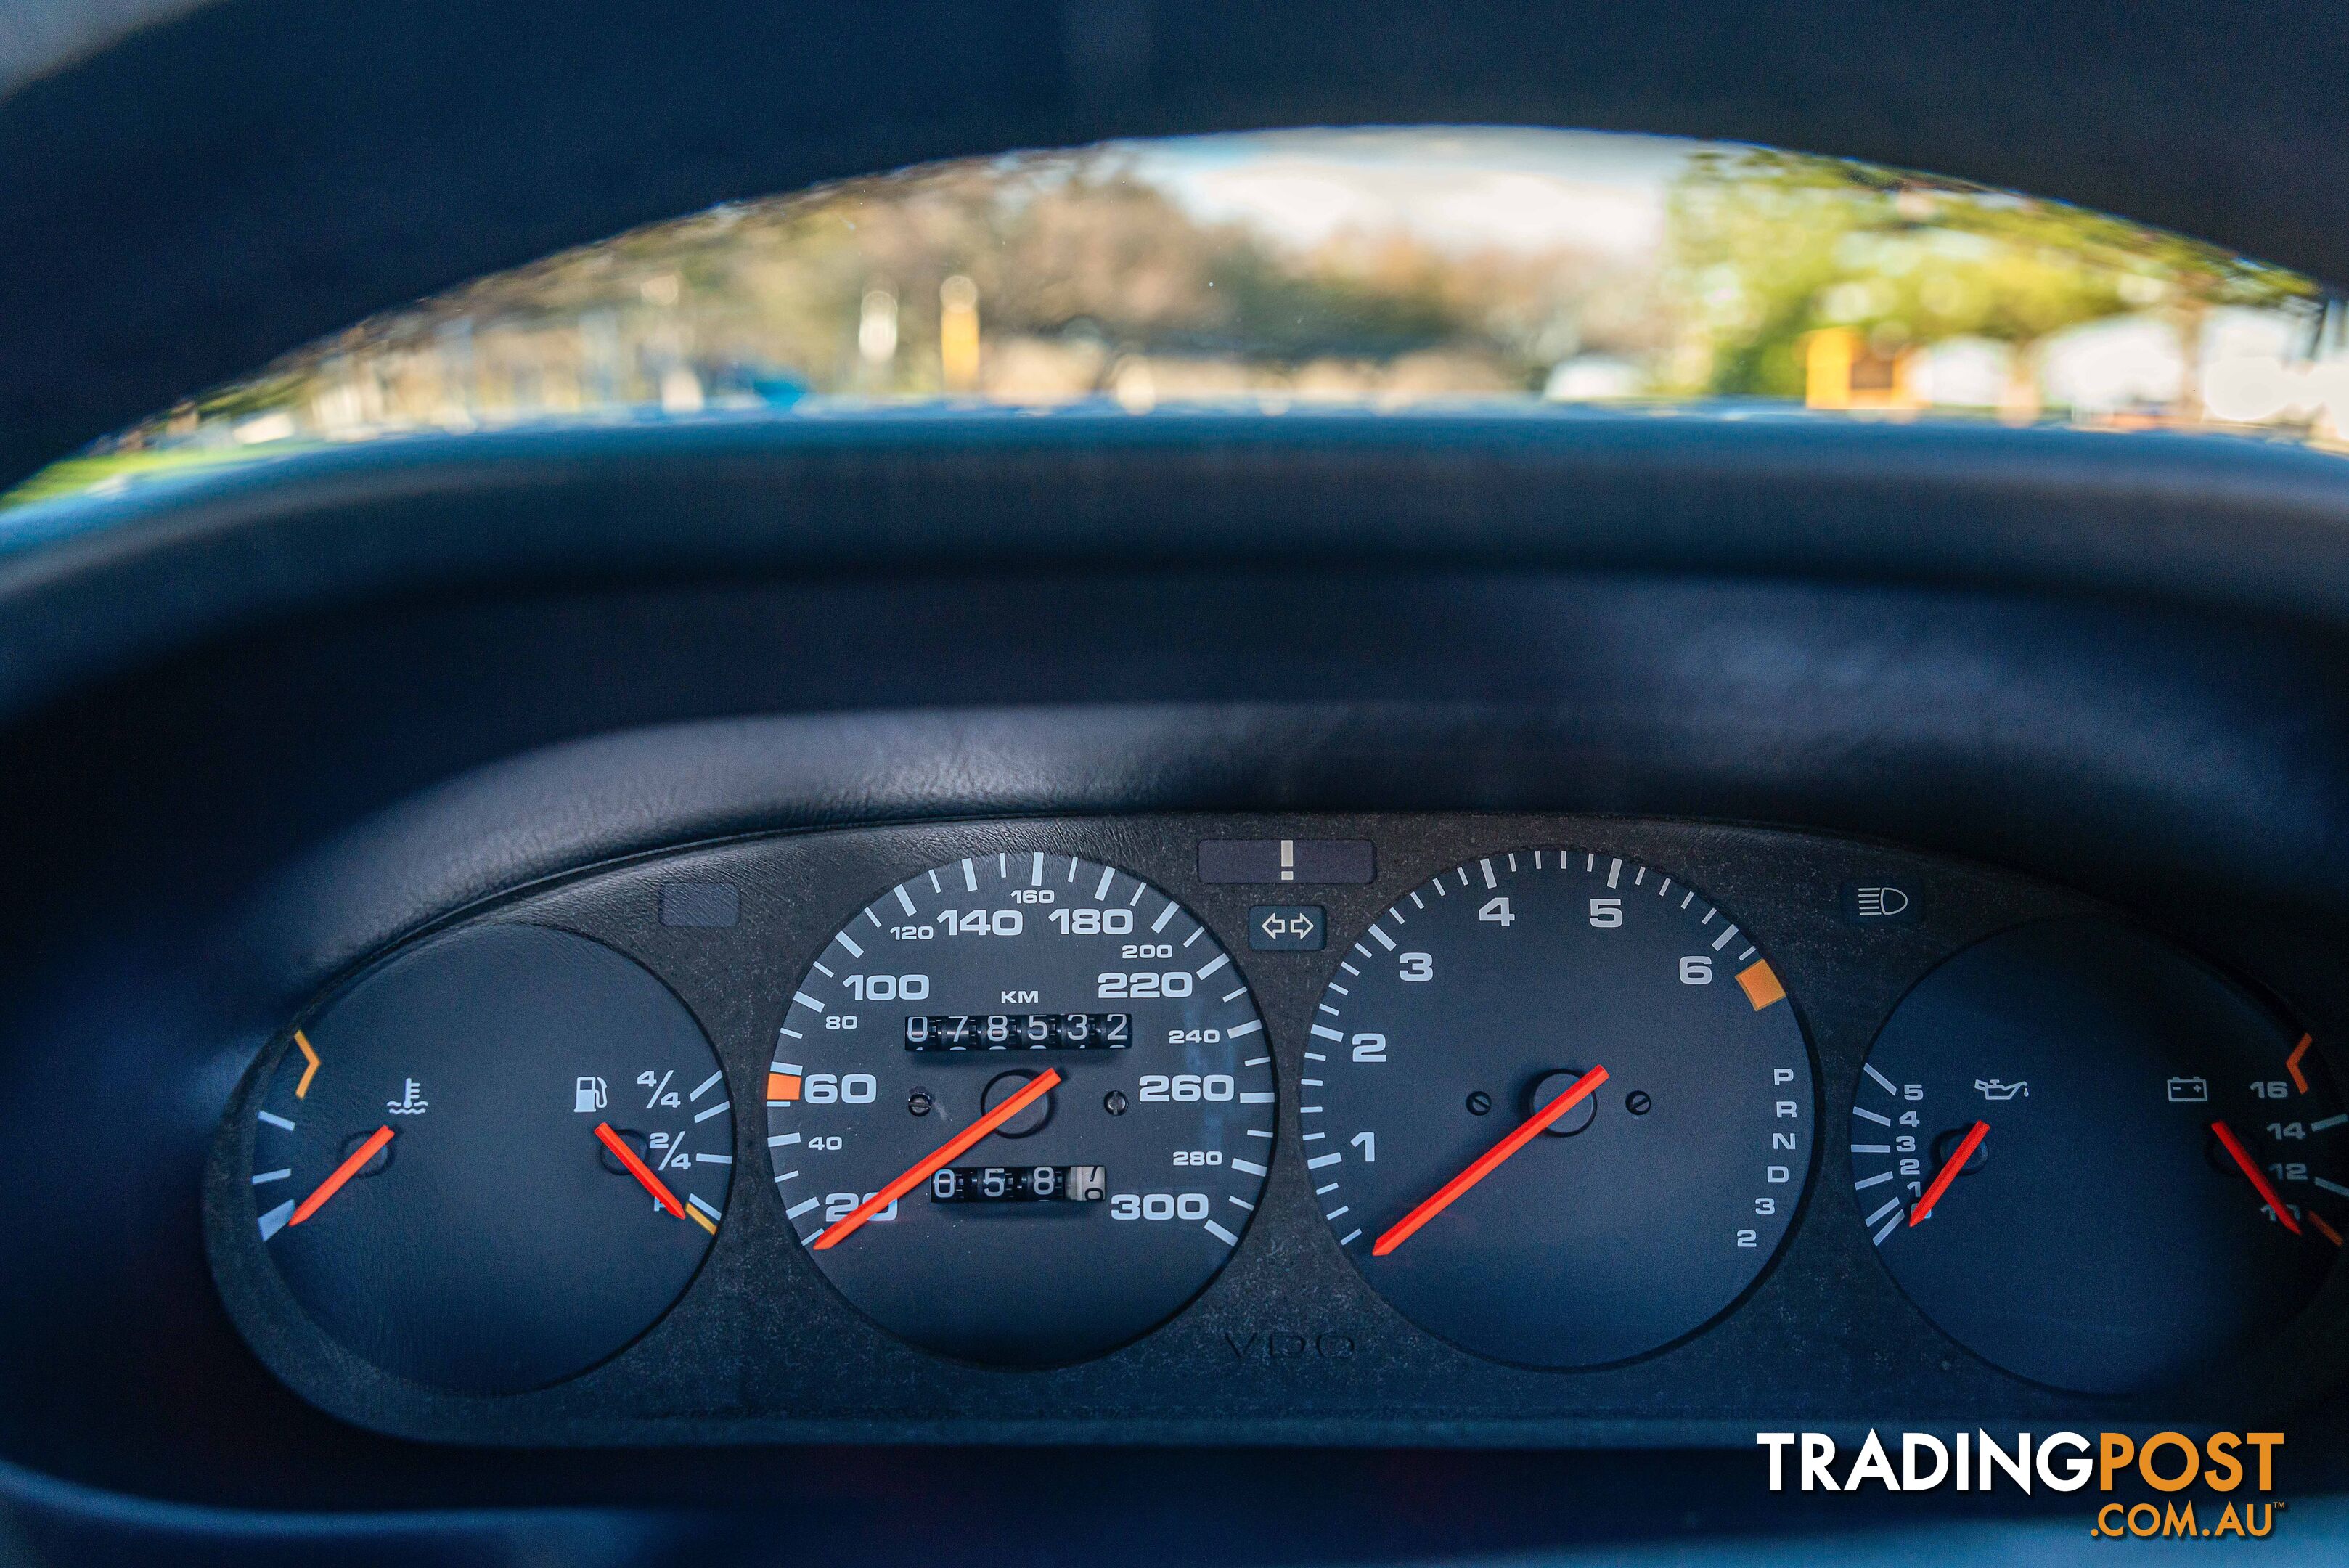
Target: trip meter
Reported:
point(1021, 1108)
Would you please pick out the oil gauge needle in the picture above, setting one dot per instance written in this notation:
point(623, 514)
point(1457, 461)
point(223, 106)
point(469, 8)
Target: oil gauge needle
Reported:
point(1036, 1089)
point(1949, 1171)
point(1488, 1162)
point(2250, 1167)
point(639, 1169)
point(343, 1172)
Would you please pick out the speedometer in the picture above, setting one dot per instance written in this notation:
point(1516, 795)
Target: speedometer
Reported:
point(1021, 1108)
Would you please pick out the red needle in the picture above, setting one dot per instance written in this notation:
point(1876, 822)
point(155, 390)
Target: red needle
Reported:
point(343, 1172)
point(639, 1169)
point(840, 1230)
point(2268, 1194)
point(1487, 1163)
point(1949, 1172)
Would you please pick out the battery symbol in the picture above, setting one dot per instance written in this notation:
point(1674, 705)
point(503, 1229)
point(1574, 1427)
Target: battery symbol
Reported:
point(2189, 1091)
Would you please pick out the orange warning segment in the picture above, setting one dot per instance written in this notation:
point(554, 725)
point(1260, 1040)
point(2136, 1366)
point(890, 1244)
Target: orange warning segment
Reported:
point(1760, 983)
point(308, 1073)
point(2329, 1233)
point(783, 1086)
point(2292, 1065)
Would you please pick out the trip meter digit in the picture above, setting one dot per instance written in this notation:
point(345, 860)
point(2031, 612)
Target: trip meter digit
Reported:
point(1021, 1108)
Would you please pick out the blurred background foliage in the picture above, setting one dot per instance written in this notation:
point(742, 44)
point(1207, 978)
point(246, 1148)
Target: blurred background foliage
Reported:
point(1105, 276)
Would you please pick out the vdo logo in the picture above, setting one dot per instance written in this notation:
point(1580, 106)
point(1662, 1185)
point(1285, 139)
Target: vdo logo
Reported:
point(1286, 1344)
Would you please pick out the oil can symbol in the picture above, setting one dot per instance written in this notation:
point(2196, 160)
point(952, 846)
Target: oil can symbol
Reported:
point(588, 1097)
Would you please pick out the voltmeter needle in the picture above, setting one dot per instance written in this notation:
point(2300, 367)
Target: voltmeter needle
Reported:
point(1487, 1163)
point(2250, 1167)
point(343, 1172)
point(1949, 1171)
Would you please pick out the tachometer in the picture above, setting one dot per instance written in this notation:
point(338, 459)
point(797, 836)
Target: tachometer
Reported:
point(1556, 1107)
point(1021, 1108)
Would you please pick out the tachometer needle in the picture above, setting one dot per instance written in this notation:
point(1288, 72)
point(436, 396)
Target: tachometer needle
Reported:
point(1487, 1163)
point(2250, 1167)
point(639, 1169)
point(840, 1228)
point(343, 1172)
point(1949, 1171)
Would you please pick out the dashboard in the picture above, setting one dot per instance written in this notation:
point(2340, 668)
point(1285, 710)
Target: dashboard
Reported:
point(597, 748)
point(1279, 1129)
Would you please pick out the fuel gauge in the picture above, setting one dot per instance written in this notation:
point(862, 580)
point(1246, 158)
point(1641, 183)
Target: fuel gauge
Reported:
point(494, 1160)
point(2093, 1161)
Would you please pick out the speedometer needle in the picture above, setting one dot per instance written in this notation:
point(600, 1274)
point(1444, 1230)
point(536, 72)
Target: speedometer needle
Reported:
point(1949, 1171)
point(343, 1172)
point(840, 1230)
point(2242, 1157)
point(1487, 1163)
point(639, 1169)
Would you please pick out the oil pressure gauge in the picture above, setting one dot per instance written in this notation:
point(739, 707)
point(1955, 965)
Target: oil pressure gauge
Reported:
point(2093, 1161)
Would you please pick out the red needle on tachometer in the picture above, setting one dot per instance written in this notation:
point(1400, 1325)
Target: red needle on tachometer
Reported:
point(839, 1230)
point(1949, 1171)
point(639, 1169)
point(343, 1172)
point(1487, 1163)
point(2242, 1157)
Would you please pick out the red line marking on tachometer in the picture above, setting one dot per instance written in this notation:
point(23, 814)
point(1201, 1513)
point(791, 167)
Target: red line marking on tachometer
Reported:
point(1487, 1163)
point(1949, 1172)
point(840, 1230)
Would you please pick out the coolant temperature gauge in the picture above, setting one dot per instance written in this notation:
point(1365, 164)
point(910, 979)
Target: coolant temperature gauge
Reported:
point(494, 1160)
point(2093, 1161)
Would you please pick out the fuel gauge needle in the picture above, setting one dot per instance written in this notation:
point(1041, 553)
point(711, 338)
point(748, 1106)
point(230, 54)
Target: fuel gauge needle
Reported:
point(2250, 1167)
point(840, 1228)
point(639, 1169)
point(1403, 1230)
point(343, 1172)
point(1949, 1171)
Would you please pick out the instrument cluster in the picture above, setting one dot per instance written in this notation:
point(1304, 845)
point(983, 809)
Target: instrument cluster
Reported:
point(1209, 1127)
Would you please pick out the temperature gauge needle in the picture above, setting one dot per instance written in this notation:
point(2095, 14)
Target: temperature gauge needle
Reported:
point(1487, 1163)
point(639, 1169)
point(343, 1172)
point(1949, 1171)
point(839, 1230)
point(2250, 1167)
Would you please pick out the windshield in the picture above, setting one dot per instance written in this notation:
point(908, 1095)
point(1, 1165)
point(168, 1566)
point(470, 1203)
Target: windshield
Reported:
point(1387, 270)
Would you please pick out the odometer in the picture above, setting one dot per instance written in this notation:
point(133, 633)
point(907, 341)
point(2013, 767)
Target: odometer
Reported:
point(1021, 1108)
point(1556, 1107)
